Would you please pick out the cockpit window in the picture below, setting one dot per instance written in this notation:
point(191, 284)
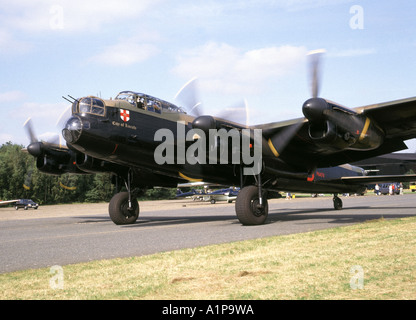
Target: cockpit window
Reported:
point(127, 97)
point(141, 102)
point(92, 105)
point(148, 103)
point(154, 106)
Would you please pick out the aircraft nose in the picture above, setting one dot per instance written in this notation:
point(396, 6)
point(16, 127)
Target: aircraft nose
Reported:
point(72, 130)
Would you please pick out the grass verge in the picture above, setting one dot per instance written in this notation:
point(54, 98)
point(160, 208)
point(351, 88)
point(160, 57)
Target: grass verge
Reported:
point(367, 261)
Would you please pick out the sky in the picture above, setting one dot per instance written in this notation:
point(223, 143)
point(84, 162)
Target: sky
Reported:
point(252, 49)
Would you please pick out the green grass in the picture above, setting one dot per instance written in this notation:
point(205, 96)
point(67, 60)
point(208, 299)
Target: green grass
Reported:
point(315, 265)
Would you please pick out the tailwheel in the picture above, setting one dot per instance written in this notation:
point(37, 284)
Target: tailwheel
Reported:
point(121, 211)
point(337, 203)
point(250, 209)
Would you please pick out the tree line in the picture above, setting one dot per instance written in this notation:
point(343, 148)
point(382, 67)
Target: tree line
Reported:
point(20, 179)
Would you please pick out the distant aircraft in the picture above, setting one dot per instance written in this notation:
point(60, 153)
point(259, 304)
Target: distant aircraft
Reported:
point(147, 142)
point(227, 194)
point(189, 194)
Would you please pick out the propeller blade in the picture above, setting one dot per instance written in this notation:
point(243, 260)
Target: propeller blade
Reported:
point(189, 97)
point(315, 74)
point(63, 118)
point(38, 144)
point(51, 138)
point(238, 113)
point(28, 178)
point(280, 140)
point(29, 130)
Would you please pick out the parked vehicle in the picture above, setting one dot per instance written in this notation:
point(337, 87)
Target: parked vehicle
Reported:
point(26, 204)
point(384, 188)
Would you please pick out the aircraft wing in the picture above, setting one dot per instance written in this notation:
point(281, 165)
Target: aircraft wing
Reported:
point(378, 179)
point(397, 119)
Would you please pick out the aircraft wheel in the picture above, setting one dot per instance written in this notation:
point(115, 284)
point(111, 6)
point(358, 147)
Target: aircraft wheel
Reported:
point(337, 203)
point(247, 207)
point(119, 209)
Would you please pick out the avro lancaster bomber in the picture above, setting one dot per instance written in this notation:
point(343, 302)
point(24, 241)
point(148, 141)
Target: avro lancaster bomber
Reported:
point(146, 142)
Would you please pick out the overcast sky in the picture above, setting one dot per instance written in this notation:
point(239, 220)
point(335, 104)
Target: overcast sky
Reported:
point(253, 49)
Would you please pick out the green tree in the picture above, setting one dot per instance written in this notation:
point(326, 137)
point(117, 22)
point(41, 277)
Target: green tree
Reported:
point(19, 178)
point(101, 189)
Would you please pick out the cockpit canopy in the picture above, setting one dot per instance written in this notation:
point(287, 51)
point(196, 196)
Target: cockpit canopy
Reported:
point(90, 105)
point(149, 103)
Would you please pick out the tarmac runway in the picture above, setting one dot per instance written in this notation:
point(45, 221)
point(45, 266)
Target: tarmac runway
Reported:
point(66, 234)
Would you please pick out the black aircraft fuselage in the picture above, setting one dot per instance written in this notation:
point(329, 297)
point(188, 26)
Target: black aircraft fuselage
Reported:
point(122, 133)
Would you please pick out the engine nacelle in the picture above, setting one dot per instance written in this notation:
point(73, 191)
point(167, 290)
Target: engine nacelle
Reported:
point(341, 128)
point(326, 133)
point(92, 165)
point(56, 165)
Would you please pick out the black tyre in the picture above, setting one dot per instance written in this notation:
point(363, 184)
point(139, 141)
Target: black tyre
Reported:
point(337, 203)
point(119, 209)
point(246, 207)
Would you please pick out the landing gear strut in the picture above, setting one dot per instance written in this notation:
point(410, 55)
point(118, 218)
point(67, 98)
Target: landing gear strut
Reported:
point(124, 207)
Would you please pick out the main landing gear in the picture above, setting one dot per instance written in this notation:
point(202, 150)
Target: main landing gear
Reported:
point(337, 202)
point(124, 207)
point(251, 206)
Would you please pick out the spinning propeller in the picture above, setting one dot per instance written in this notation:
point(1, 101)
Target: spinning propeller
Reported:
point(189, 97)
point(45, 151)
point(37, 146)
point(312, 108)
point(315, 71)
